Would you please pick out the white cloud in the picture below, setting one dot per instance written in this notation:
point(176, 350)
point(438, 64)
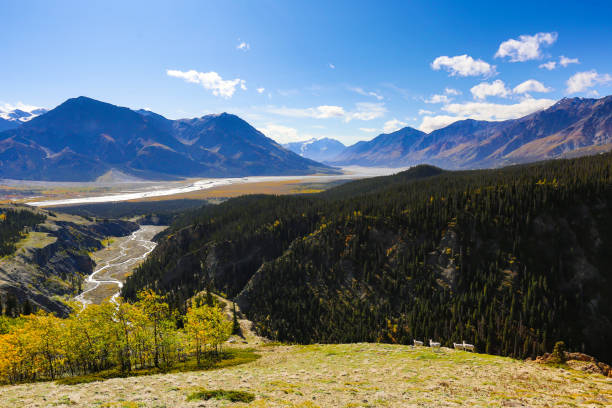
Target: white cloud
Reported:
point(437, 98)
point(319, 112)
point(261, 90)
point(8, 107)
point(494, 111)
point(531, 85)
point(363, 111)
point(243, 46)
point(280, 133)
point(332, 66)
point(425, 112)
point(463, 65)
point(367, 111)
point(393, 125)
point(32, 111)
point(526, 47)
point(431, 123)
point(363, 92)
point(211, 81)
point(495, 88)
point(582, 81)
point(564, 61)
point(483, 111)
point(452, 91)
point(550, 65)
point(368, 130)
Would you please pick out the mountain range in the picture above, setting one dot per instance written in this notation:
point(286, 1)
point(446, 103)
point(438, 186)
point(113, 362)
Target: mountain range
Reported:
point(82, 139)
point(317, 149)
point(10, 118)
point(572, 126)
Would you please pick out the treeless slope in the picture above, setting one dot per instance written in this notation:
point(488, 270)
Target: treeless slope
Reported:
point(345, 375)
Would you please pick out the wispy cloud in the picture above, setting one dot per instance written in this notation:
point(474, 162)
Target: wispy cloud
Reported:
point(332, 66)
point(363, 92)
point(261, 90)
point(366, 111)
point(463, 65)
point(526, 47)
point(437, 98)
point(452, 91)
point(363, 111)
point(368, 130)
point(565, 61)
point(210, 81)
point(550, 65)
point(425, 112)
point(443, 98)
point(319, 112)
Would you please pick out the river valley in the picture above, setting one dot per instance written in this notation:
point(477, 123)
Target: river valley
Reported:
point(115, 262)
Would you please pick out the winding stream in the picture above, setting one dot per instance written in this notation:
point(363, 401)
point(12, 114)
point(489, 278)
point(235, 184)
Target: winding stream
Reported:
point(115, 263)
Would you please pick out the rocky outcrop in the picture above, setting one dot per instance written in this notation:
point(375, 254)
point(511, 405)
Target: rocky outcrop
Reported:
point(579, 361)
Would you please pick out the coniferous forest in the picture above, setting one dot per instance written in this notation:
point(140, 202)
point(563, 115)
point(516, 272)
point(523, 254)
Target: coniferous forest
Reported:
point(511, 260)
point(12, 223)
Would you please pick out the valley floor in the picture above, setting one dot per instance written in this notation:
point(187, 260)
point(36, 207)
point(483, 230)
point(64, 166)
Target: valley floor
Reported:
point(346, 375)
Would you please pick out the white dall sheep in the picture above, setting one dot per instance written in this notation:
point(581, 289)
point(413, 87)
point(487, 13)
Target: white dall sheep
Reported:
point(458, 346)
point(433, 344)
point(467, 346)
point(417, 343)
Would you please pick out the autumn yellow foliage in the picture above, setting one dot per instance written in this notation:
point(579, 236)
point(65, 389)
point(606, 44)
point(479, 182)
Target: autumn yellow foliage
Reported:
point(123, 336)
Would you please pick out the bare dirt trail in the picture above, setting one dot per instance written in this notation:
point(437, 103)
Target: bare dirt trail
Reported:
point(116, 262)
point(248, 335)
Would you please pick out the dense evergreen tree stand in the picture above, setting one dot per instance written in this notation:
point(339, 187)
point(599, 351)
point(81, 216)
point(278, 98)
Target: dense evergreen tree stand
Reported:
point(511, 260)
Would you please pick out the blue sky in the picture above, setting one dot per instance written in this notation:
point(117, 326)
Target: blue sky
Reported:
point(296, 70)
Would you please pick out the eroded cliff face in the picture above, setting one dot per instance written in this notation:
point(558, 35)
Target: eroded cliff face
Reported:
point(53, 259)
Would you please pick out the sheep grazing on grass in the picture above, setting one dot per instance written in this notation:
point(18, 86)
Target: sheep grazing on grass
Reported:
point(416, 343)
point(433, 344)
point(458, 346)
point(467, 346)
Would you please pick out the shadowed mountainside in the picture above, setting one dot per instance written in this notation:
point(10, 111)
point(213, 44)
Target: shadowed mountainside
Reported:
point(82, 139)
point(574, 124)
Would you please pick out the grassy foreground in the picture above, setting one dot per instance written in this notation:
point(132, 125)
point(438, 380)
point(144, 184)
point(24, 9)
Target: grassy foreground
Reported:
point(348, 375)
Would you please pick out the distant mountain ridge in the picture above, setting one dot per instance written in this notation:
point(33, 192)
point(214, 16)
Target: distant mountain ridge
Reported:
point(82, 139)
point(317, 149)
point(13, 118)
point(572, 125)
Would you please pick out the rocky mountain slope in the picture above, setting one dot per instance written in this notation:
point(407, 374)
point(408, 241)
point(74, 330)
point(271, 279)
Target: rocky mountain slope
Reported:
point(571, 125)
point(52, 259)
point(82, 139)
point(317, 149)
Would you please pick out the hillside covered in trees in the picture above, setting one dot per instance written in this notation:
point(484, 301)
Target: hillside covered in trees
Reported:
point(511, 259)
